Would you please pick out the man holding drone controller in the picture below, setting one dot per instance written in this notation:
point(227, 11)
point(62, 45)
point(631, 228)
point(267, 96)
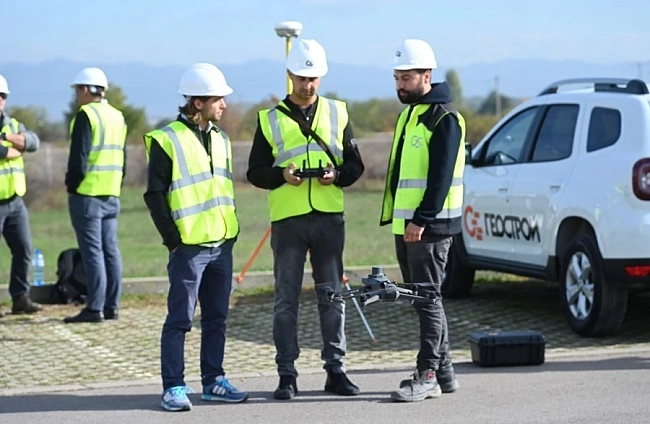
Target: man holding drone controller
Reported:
point(306, 207)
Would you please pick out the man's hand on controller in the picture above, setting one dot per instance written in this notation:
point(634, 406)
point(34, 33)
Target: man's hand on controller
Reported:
point(287, 173)
point(330, 175)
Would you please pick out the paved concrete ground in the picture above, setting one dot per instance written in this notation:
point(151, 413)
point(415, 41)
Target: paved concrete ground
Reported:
point(41, 351)
point(583, 390)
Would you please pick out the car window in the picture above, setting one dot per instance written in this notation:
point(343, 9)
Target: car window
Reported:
point(556, 134)
point(604, 128)
point(507, 143)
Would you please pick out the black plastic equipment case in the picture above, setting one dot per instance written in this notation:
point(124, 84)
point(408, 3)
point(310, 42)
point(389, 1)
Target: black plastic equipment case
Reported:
point(505, 348)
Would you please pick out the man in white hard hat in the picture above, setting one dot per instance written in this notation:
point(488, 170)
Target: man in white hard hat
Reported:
point(422, 202)
point(15, 140)
point(306, 211)
point(96, 169)
point(190, 196)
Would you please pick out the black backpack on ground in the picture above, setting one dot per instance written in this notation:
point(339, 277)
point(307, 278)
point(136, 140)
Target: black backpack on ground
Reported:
point(70, 286)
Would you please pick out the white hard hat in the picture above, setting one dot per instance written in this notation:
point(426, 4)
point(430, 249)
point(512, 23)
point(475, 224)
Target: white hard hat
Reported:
point(4, 87)
point(414, 54)
point(91, 76)
point(204, 79)
point(307, 58)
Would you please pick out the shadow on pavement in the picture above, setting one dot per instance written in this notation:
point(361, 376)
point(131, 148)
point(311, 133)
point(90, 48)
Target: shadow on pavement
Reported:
point(553, 365)
point(612, 364)
point(78, 401)
point(87, 401)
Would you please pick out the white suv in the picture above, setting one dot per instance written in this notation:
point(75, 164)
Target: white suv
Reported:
point(559, 190)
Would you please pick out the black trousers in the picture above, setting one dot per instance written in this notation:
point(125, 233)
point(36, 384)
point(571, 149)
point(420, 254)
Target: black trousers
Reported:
point(323, 235)
point(424, 262)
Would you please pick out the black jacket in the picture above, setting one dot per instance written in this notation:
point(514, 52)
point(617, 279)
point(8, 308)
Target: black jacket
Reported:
point(159, 178)
point(261, 172)
point(443, 151)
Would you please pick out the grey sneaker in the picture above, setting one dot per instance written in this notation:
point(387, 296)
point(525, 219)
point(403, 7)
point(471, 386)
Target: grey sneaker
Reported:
point(422, 385)
point(446, 378)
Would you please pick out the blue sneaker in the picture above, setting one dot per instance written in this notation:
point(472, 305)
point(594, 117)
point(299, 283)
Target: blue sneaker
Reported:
point(222, 391)
point(175, 399)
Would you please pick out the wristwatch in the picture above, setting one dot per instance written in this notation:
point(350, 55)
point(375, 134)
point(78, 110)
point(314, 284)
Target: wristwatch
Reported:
point(3, 136)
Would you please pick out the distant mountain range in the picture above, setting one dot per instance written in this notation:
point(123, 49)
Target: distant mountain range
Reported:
point(47, 83)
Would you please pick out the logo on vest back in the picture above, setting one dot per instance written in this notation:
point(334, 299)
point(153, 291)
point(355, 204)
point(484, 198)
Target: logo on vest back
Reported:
point(416, 141)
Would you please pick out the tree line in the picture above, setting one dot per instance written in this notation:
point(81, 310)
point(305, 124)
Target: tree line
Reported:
point(375, 115)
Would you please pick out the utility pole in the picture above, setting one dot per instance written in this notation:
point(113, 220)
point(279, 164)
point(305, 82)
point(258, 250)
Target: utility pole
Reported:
point(640, 66)
point(497, 97)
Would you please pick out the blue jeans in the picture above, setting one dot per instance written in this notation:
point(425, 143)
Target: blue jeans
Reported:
point(324, 236)
point(94, 220)
point(14, 227)
point(203, 274)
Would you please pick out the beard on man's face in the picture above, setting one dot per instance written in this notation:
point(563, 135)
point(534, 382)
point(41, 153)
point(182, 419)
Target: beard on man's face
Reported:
point(410, 96)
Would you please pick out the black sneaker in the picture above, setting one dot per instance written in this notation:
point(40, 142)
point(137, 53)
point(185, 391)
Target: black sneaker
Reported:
point(85, 316)
point(339, 384)
point(421, 386)
point(24, 305)
point(287, 388)
point(111, 314)
point(446, 378)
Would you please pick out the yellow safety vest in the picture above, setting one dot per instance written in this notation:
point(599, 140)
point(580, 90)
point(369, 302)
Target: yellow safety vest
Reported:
point(104, 170)
point(414, 169)
point(12, 171)
point(202, 194)
point(290, 145)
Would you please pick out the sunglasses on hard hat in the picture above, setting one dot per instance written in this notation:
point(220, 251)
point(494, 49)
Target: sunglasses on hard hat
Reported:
point(3, 96)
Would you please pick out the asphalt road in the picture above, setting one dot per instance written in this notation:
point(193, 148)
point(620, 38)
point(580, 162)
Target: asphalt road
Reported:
point(595, 389)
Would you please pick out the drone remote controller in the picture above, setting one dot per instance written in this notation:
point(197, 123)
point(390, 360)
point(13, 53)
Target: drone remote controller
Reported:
point(305, 172)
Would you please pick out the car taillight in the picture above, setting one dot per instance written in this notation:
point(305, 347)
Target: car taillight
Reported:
point(641, 179)
point(638, 271)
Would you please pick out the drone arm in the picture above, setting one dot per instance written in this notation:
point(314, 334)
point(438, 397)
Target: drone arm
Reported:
point(344, 295)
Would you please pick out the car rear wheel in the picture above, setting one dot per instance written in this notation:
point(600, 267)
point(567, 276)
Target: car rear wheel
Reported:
point(593, 305)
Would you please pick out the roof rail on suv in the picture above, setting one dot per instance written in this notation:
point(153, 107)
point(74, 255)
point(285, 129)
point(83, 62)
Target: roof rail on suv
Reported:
point(613, 85)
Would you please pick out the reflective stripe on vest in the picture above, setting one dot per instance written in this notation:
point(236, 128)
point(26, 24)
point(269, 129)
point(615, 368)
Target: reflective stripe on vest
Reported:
point(12, 171)
point(201, 196)
point(414, 168)
point(187, 179)
point(104, 169)
point(289, 145)
point(422, 184)
point(285, 155)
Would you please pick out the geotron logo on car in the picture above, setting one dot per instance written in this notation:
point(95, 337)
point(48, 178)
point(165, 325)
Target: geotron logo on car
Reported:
point(495, 225)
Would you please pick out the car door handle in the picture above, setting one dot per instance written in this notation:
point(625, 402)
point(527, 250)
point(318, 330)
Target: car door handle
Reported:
point(555, 186)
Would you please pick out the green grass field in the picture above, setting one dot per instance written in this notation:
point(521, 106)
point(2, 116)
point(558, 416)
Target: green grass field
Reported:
point(144, 255)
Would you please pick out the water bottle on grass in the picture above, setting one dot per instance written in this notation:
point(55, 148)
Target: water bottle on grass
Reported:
point(38, 263)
